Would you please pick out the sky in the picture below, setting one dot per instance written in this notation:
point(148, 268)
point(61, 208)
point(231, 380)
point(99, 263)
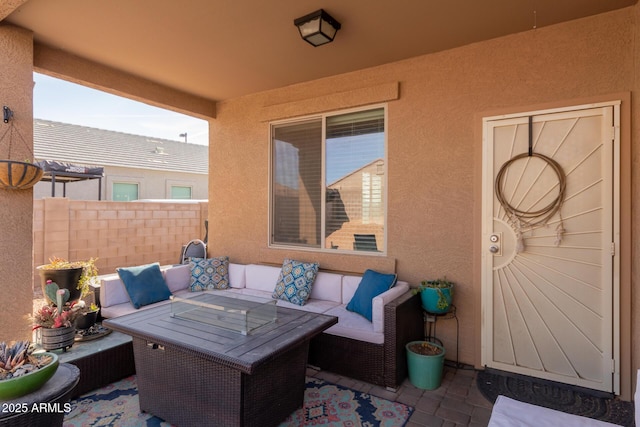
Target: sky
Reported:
point(62, 101)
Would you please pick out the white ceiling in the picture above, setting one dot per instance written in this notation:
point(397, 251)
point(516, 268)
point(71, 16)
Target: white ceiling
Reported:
point(221, 49)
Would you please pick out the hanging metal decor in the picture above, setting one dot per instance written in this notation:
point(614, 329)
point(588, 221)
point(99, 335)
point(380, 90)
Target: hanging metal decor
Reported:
point(526, 220)
point(16, 175)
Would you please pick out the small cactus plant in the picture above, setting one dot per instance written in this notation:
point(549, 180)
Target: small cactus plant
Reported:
point(58, 313)
point(55, 295)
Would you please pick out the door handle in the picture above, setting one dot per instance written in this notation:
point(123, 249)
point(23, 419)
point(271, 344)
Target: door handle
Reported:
point(494, 249)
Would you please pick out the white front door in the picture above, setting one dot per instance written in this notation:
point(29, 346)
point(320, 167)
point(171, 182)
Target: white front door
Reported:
point(549, 239)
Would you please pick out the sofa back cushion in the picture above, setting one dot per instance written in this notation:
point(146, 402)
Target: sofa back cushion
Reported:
point(112, 290)
point(261, 277)
point(177, 276)
point(327, 287)
point(237, 277)
point(349, 287)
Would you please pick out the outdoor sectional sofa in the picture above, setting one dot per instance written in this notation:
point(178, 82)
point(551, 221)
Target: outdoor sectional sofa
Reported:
point(355, 347)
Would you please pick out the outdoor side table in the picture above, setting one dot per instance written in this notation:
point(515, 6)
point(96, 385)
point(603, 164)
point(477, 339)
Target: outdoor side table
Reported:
point(44, 407)
point(430, 321)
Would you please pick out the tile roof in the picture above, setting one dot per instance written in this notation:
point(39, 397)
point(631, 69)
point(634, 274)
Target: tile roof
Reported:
point(97, 147)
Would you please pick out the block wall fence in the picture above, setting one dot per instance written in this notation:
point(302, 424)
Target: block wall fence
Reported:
point(119, 234)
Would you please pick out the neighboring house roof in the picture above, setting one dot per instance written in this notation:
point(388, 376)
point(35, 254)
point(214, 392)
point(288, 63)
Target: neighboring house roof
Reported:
point(90, 146)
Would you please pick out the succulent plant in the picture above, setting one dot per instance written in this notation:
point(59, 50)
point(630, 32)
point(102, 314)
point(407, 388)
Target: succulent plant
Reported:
point(12, 357)
point(17, 360)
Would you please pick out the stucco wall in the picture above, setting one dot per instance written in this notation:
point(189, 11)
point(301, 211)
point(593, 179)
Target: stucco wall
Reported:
point(433, 147)
point(16, 206)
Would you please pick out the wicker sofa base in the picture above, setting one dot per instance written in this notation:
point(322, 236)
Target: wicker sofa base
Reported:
point(186, 389)
point(344, 356)
point(380, 364)
point(104, 367)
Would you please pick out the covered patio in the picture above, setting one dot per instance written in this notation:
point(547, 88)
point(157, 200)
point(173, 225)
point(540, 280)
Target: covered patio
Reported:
point(439, 76)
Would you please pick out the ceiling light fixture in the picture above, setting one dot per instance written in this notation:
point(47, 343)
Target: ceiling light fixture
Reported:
point(317, 28)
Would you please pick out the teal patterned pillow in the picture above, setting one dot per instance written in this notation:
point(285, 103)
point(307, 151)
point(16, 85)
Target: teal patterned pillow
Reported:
point(209, 273)
point(295, 281)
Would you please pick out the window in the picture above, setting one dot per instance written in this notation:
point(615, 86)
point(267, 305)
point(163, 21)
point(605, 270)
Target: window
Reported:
point(125, 191)
point(328, 186)
point(180, 192)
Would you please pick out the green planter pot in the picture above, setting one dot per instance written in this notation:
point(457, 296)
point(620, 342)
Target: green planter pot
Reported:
point(25, 384)
point(431, 299)
point(425, 371)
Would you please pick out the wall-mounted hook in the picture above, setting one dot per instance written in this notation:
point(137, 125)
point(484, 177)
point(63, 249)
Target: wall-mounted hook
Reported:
point(8, 114)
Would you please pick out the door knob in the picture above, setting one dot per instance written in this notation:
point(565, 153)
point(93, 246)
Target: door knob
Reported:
point(494, 249)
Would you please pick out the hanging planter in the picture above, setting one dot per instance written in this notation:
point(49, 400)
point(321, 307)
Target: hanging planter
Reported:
point(17, 175)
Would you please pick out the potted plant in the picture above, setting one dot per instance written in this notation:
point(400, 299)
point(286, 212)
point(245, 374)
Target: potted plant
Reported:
point(425, 362)
point(436, 295)
point(21, 371)
point(87, 315)
point(76, 276)
point(55, 321)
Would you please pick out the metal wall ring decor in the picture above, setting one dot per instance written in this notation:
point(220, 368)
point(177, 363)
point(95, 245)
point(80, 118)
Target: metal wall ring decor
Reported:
point(542, 215)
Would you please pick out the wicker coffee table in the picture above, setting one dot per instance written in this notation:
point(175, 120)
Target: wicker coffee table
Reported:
point(191, 373)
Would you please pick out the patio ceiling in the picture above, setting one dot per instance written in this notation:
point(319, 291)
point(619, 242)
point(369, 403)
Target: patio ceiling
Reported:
point(220, 49)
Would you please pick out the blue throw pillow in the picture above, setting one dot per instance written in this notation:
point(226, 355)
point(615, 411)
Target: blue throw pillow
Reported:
point(145, 284)
point(295, 281)
point(371, 285)
point(209, 273)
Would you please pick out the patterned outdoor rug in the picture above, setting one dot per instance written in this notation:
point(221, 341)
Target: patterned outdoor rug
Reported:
point(325, 404)
point(562, 397)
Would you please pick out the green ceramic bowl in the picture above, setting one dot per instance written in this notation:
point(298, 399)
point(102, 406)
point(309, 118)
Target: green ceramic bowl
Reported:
point(25, 384)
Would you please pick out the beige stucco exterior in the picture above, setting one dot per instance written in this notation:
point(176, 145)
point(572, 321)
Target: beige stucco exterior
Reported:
point(152, 184)
point(16, 207)
point(435, 104)
point(434, 151)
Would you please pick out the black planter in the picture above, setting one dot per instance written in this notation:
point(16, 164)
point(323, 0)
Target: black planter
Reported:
point(86, 320)
point(66, 279)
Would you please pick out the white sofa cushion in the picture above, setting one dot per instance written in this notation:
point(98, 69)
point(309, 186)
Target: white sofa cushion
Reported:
point(177, 276)
point(112, 290)
point(354, 326)
point(383, 299)
point(261, 277)
point(349, 287)
point(327, 287)
point(237, 275)
point(312, 305)
point(508, 412)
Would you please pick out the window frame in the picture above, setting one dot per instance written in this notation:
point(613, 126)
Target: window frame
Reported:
point(116, 182)
point(173, 186)
point(323, 117)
